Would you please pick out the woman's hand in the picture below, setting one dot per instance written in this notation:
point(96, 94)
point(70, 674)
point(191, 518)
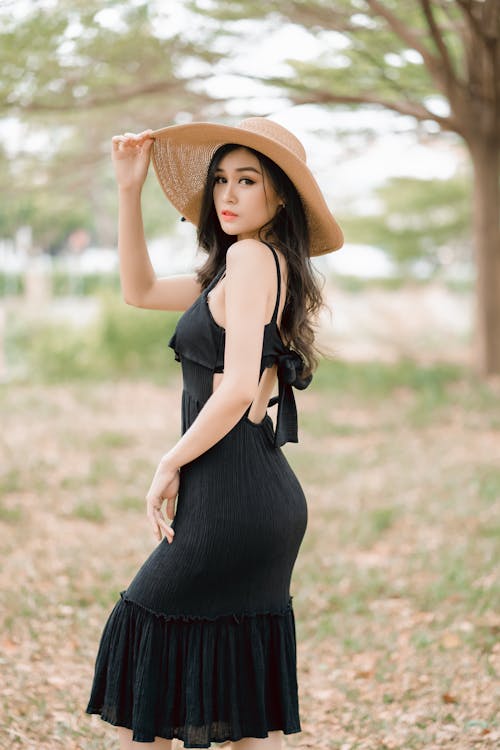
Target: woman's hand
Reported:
point(165, 486)
point(130, 154)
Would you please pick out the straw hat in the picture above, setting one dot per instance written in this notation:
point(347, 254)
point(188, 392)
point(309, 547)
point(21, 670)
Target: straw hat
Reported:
point(181, 155)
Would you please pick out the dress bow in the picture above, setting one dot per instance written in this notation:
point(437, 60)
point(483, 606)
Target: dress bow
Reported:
point(290, 368)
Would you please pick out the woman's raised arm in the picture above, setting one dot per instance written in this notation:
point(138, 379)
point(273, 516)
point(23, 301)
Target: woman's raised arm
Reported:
point(131, 155)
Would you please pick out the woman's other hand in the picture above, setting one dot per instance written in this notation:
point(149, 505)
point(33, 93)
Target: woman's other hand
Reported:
point(165, 486)
point(130, 154)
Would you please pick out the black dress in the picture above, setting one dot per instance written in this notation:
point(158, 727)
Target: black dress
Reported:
point(201, 645)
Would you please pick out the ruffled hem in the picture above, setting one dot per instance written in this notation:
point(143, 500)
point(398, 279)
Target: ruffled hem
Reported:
point(197, 679)
point(197, 618)
point(177, 734)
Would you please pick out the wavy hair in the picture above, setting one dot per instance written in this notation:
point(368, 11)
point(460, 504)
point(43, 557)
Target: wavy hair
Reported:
point(287, 230)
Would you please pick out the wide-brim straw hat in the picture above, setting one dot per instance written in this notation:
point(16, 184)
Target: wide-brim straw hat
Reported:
point(181, 155)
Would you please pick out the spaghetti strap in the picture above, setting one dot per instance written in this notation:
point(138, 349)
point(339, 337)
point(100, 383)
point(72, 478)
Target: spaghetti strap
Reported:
point(218, 276)
point(278, 295)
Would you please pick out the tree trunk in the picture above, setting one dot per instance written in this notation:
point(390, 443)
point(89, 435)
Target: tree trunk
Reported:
point(486, 162)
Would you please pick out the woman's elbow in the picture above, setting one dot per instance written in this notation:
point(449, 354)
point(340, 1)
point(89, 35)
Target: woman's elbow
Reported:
point(240, 392)
point(132, 301)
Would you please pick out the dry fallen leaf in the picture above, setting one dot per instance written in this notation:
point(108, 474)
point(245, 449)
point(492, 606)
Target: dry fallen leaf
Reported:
point(450, 640)
point(365, 673)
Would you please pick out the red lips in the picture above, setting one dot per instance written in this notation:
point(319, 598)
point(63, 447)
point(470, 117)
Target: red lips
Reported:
point(228, 213)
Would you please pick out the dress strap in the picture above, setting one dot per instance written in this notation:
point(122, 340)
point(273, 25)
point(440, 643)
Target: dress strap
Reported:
point(278, 295)
point(220, 273)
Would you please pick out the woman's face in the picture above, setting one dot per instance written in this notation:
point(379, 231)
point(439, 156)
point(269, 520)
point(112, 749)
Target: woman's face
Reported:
point(244, 196)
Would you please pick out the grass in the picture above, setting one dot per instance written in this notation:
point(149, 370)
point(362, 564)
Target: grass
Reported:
point(395, 588)
point(10, 481)
point(10, 515)
point(111, 439)
point(488, 483)
point(374, 380)
point(89, 512)
point(356, 284)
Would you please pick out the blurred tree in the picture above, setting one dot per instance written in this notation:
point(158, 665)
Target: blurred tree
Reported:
point(54, 210)
point(74, 72)
point(435, 60)
point(417, 220)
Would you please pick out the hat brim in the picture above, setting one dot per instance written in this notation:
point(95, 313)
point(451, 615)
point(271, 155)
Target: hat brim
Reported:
point(181, 155)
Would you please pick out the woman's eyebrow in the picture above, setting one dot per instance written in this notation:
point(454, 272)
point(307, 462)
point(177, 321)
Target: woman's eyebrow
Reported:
point(240, 169)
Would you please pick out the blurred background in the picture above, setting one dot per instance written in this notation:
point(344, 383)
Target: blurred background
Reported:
point(397, 104)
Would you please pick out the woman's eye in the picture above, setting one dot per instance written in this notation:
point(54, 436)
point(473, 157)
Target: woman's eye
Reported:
point(244, 180)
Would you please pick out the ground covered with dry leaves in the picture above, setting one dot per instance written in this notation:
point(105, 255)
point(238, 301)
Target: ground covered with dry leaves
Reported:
point(396, 590)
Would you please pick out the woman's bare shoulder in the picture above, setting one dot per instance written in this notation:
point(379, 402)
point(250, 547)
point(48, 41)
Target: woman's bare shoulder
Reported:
point(249, 254)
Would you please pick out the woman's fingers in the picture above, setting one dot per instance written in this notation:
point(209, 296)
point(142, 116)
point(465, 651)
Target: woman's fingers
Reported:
point(170, 508)
point(131, 142)
point(163, 491)
point(121, 142)
point(154, 523)
point(158, 524)
point(132, 138)
point(164, 526)
point(168, 531)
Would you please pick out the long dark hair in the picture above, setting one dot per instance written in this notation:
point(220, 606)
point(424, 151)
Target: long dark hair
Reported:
point(288, 230)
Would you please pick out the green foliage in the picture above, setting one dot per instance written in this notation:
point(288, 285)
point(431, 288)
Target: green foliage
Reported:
point(65, 284)
point(75, 73)
point(418, 219)
point(131, 338)
point(127, 342)
point(373, 380)
point(78, 56)
point(11, 284)
point(71, 199)
point(358, 284)
point(124, 342)
point(90, 284)
point(373, 60)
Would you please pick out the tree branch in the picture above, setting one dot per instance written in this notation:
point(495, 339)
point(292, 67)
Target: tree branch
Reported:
point(364, 53)
point(450, 87)
point(439, 41)
point(413, 109)
point(106, 100)
point(468, 14)
point(491, 19)
point(455, 24)
point(311, 15)
point(404, 33)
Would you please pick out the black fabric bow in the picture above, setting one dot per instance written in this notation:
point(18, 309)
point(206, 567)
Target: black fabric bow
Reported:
point(290, 368)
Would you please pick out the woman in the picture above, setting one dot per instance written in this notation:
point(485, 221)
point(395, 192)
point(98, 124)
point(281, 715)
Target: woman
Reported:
point(201, 645)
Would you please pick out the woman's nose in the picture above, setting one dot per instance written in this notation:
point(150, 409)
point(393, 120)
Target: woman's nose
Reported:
point(228, 193)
